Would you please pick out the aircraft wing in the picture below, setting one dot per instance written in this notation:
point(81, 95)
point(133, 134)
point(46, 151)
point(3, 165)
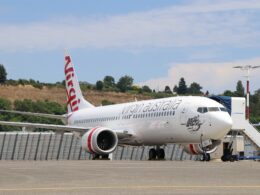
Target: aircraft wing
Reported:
point(60, 128)
point(54, 116)
point(122, 134)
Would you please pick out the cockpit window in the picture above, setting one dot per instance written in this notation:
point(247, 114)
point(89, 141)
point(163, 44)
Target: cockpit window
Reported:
point(223, 109)
point(213, 109)
point(202, 109)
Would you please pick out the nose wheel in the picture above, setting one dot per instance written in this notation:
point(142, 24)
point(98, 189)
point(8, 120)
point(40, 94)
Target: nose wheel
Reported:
point(156, 154)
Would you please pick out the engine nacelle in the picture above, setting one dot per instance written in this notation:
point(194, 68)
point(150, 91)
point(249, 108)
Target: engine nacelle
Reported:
point(197, 148)
point(99, 140)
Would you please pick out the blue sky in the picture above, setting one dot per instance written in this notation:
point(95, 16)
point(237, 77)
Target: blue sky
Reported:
point(155, 42)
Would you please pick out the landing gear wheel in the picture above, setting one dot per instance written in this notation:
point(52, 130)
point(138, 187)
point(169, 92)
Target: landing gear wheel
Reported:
point(100, 157)
point(160, 154)
point(224, 158)
point(105, 157)
point(95, 157)
point(152, 154)
point(208, 157)
point(205, 157)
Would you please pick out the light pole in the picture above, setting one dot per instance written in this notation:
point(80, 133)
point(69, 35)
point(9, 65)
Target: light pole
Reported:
point(247, 68)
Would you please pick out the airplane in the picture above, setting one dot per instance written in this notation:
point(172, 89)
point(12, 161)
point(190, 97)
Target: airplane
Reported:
point(198, 123)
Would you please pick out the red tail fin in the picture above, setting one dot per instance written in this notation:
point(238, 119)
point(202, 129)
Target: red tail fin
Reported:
point(75, 100)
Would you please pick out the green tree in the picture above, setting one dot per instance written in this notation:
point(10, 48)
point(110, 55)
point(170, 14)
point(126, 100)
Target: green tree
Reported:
point(125, 83)
point(175, 89)
point(23, 105)
point(3, 74)
point(99, 85)
point(109, 82)
point(195, 88)
point(167, 89)
point(240, 90)
point(255, 107)
point(146, 89)
point(182, 89)
point(5, 104)
point(228, 93)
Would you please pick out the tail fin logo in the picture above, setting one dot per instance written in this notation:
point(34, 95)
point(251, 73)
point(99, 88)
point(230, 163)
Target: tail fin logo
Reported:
point(73, 101)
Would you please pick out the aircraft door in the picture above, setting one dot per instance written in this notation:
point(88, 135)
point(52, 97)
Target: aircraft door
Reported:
point(184, 114)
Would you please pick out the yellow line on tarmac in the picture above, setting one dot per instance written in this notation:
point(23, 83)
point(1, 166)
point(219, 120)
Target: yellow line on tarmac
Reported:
point(133, 187)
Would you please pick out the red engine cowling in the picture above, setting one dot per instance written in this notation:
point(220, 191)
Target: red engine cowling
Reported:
point(99, 140)
point(192, 148)
point(197, 149)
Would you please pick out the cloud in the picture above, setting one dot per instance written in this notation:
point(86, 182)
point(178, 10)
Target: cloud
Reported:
point(215, 77)
point(196, 23)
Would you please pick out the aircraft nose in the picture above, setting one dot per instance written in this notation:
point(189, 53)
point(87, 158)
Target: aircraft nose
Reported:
point(222, 125)
point(226, 123)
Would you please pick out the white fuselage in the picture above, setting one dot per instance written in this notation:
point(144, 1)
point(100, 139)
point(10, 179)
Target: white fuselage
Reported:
point(161, 121)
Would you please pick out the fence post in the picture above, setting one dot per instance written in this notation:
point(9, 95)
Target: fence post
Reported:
point(133, 148)
point(122, 152)
point(80, 153)
point(54, 146)
point(8, 145)
point(181, 154)
point(20, 146)
point(3, 144)
point(61, 139)
point(31, 146)
point(173, 148)
point(26, 144)
point(48, 147)
point(64, 145)
point(42, 146)
point(15, 140)
point(71, 142)
point(37, 146)
point(142, 154)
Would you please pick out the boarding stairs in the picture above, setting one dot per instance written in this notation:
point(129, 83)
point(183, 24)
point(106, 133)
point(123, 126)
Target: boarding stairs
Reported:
point(251, 132)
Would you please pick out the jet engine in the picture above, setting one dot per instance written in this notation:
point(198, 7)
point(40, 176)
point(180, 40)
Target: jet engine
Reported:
point(99, 140)
point(197, 148)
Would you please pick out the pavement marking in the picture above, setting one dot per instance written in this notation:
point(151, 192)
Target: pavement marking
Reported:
point(131, 187)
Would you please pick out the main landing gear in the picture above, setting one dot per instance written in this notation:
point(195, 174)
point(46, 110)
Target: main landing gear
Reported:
point(156, 154)
point(100, 157)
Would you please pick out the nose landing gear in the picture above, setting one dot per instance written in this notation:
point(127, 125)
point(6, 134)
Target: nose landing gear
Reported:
point(205, 157)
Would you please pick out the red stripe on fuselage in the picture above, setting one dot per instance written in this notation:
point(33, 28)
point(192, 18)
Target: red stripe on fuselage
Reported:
point(89, 140)
point(192, 149)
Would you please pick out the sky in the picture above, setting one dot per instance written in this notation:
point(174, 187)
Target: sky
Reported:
point(155, 42)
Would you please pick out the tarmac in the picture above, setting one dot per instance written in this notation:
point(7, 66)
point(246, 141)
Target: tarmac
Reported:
point(129, 177)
